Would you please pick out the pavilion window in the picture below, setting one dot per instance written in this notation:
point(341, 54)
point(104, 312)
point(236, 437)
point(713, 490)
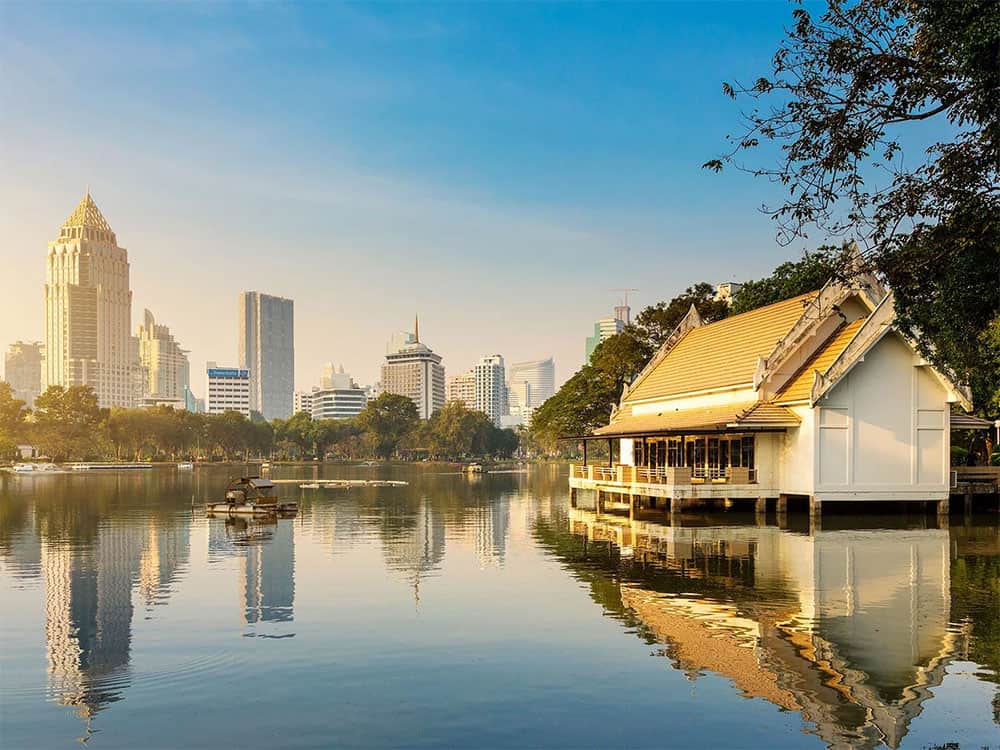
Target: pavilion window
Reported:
point(713, 452)
point(748, 451)
point(674, 454)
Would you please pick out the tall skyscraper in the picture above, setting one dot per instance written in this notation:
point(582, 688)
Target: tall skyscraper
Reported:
point(88, 309)
point(491, 388)
point(415, 371)
point(462, 388)
point(267, 350)
point(604, 329)
point(23, 370)
point(167, 373)
point(531, 383)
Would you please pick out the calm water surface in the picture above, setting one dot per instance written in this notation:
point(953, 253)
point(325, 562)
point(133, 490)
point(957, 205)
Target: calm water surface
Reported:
point(480, 612)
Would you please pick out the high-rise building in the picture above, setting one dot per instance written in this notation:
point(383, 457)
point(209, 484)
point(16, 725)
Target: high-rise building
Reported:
point(22, 370)
point(416, 372)
point(166, 369)
point(462, 388)
point(725, 291)
point(398, 340)
point(491, 387)
point(531, 383)
point(339, 403)
point(604, 329)
point(267, 350)
point(303, 401)
point(88, 309)
point(227, 389)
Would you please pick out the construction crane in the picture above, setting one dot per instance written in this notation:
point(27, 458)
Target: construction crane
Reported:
point(623, 311)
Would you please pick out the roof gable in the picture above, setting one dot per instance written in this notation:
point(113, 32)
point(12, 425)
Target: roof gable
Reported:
point(800, 385)
point(723, 354)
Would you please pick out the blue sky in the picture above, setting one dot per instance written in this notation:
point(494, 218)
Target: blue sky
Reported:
point(497, 168)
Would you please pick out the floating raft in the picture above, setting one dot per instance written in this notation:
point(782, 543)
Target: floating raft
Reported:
point(251, 509)
point(313, 484)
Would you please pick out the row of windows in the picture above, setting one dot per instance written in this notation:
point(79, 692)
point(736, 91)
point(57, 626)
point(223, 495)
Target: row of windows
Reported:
point(714, 452)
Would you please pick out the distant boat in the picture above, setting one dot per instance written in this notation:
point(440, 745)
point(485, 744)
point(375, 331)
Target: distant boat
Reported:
point(36, 469)
point(109, 466)
point(474, 469)
point(252, 496)
point(185, 466)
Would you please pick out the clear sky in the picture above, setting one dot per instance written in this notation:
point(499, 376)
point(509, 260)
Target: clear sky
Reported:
point(498, 168)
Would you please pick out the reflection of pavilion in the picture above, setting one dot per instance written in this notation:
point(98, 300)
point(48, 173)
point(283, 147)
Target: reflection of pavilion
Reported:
point(852, 632)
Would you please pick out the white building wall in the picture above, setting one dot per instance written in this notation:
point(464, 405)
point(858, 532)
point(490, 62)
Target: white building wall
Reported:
point(796, 471)
point(883, 430)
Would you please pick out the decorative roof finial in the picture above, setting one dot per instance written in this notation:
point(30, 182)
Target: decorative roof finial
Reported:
point(416, 328)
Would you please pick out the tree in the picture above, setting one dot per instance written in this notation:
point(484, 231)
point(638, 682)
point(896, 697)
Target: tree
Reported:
point(848, 91)
point(12, 415)
point(789, 279)
point(387, 420)
point(67, 422)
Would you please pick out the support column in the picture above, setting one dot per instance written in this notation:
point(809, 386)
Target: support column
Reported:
point(967, 505)
point(675, 510)
point(942, 513)
point(760, 511)
point(631, 507)
point(727, 503)
point(572, 497)
point(815, 514)
point(782, 503)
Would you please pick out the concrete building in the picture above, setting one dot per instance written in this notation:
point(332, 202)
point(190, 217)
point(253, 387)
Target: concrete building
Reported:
point(416, 372)
point(398, 340)
point(227, 389)
point(819, 397)
point(605, 328)
point(303, 401)
point(88, 309)
point(530, 384)
point(267, 350)
point(23, 370)
point(339, 403)
point(725, 291)
point(166, 370)
point(462, 388)
point(491, 387)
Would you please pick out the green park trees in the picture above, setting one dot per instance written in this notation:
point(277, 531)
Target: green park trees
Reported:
point(881, 119)
point(12, 416)
point(386, 421)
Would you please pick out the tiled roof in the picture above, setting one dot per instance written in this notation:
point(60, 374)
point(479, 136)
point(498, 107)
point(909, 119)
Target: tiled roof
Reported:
point(721, 354)
point(87, 214)
point(800, 386)
point(749, 414)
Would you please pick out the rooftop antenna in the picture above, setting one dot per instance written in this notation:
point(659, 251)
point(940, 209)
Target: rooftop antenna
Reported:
point(416, 328)
point(623, 311)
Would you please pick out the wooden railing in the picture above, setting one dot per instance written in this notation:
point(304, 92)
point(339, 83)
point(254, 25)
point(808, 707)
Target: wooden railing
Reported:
point(977, 473)
point(672, 475)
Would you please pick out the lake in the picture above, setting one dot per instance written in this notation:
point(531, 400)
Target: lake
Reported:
point(481, 612)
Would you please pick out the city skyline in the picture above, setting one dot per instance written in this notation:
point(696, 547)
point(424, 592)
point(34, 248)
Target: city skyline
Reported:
point(555, 194)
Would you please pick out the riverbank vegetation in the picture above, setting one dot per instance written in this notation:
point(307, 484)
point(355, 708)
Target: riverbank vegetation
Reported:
point(67, 424)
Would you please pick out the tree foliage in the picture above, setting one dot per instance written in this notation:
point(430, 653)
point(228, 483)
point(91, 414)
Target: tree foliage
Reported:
point(387, 420)
point(790, 279)
point(67, 422)
point(656, 322)
point(850, 92)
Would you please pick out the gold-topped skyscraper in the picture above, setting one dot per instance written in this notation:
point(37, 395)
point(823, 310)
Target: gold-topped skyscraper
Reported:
point(88, 309)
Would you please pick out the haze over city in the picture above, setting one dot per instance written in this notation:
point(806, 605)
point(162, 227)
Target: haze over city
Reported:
point(372, 163)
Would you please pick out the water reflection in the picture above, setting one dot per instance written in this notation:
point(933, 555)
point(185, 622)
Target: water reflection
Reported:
point(850, 627)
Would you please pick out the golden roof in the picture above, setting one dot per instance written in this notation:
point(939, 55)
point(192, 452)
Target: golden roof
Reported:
point(87, 214)
point(721, 354)
point(800, 386)
point(752, 414)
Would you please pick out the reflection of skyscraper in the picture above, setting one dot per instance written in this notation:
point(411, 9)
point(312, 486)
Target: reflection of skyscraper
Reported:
point(416, 546)
point(269, 577)
point(491, 525)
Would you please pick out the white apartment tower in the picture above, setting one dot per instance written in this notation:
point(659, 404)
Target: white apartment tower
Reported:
point(531, 383)
point(416, 372)
point(267, 350)
point(462, 388)
point(166, 369)
point(491, 388)
point(88, 309)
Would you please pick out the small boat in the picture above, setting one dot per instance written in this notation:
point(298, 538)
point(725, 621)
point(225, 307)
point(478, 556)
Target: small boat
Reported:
point(252, 496)
point(35, 469)
point(109, 467)
point(309, 486)
point(474, 469)
point(185, 466)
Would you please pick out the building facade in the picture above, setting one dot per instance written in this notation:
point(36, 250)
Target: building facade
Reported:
point(267, 350)
point(23, 370)
point(303, 401)
point(338, 403)
point(530, 384)
point(819, 397)
point(166, 370)
point(227, 389)
point(604, 329)
point(491, 387)
point(462, 388)
point(416, 372)
point(88, 309)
